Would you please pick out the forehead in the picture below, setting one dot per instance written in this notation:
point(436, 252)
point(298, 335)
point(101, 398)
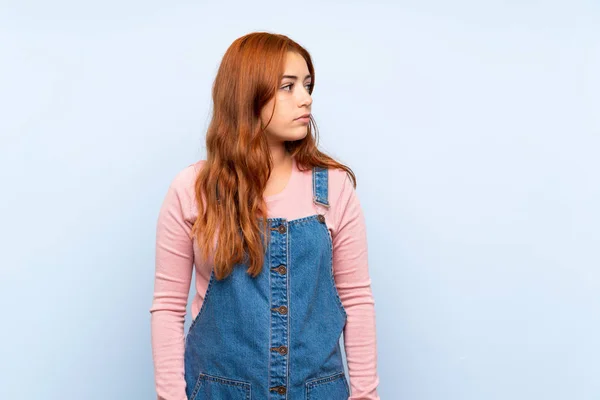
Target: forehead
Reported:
point(295, 64)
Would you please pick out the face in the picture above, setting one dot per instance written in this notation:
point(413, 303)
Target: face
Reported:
point(292, 100)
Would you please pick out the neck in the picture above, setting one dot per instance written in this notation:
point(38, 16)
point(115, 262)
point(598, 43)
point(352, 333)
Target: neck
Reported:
point(281, 157)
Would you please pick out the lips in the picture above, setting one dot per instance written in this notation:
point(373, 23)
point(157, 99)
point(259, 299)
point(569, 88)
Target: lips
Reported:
point(304, 116)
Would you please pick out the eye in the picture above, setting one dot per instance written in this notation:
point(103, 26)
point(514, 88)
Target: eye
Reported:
point(308, 86)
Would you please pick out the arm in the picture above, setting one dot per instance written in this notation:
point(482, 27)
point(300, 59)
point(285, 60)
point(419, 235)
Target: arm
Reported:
point(173, 270)
point(353, 283)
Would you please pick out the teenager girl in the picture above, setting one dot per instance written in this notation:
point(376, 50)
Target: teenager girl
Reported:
point(275, 231)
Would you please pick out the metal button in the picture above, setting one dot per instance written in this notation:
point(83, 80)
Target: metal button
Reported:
point(280, 309)
point(281, 350)
point(281, 229)
point(278, 389)
point(281, 269)
point(321, 218)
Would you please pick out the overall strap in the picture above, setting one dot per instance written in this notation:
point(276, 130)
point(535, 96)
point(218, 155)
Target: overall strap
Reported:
point(320, 177)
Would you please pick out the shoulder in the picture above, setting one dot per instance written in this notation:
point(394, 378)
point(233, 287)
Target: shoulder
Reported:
point(340, 185)
point(182, 188)
point(337, 175)
point(344, 204)
point(185, 178)
point(342, 195)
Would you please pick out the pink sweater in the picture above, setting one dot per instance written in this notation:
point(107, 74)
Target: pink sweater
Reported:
point(176, 255)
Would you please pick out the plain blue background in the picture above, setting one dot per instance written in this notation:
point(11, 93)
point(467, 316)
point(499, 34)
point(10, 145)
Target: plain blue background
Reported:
point(473, 128)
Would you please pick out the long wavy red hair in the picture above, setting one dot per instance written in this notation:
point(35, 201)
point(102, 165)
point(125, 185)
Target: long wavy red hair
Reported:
point(229, 187)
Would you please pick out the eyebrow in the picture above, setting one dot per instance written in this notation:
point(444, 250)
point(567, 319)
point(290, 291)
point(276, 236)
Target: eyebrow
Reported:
point(294, 77)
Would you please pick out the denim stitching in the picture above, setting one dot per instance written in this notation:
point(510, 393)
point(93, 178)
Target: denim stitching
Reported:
point(322, 379)
point(330, 243)
point(194, 323)
point(337, 295)
point(226, 381)
point(245, 386)
point(271, 313)
point(315, 176)
point(196, 387)
point(320, 181)
point(288, 297)
point(303, 219)
point(311, 384)
point(295, 221)
point(206, 294)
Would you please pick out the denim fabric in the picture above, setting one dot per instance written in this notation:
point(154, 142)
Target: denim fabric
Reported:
point(275, 336)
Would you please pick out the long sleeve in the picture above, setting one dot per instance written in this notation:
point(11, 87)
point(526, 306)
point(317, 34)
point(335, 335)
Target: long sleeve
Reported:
point(351, 275)
point(173, 273)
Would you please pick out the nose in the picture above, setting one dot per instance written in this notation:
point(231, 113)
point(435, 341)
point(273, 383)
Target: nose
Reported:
point(305, 99)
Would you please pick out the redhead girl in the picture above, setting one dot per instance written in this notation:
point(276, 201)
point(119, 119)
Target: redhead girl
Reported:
point(273, 231)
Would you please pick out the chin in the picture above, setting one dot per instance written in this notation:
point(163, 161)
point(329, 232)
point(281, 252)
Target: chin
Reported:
point(298, 136)
point(290, 136)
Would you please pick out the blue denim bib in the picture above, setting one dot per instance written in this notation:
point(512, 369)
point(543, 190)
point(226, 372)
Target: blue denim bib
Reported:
point(275, 336)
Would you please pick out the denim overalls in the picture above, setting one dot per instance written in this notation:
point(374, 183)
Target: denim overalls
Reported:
point(275, 336)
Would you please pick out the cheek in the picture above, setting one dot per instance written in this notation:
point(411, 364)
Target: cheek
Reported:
point(281, 114)
point(265, 113)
